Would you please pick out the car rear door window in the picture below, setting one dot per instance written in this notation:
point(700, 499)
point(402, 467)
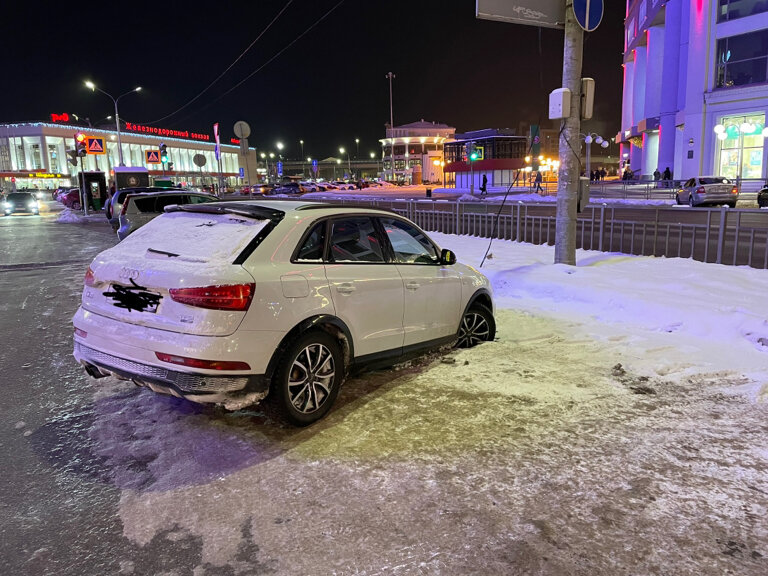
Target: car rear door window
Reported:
point(355, 240)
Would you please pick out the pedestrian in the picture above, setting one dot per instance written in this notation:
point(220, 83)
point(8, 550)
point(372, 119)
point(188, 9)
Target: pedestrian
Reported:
point(484, 186)
point(667, 177)
point(603, 173)
point(538, 182)
point(656, 175)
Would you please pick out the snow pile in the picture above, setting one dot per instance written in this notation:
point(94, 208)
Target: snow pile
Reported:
point(68, 216)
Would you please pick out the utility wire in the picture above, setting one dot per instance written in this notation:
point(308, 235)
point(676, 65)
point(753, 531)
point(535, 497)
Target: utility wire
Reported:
point(260, 68)
point(243, 53)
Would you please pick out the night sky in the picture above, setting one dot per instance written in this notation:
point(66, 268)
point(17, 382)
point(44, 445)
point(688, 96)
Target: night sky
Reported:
point(327, 89)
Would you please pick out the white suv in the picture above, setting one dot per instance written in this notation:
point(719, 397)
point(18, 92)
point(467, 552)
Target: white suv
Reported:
point(233, 302)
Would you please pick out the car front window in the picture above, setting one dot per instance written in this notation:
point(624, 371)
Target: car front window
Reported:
point(409, 243)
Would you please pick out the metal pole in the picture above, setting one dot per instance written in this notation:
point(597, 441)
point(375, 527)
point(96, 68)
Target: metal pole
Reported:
point(471, 170)
point(391, 127)
point(568, 181)
point(589, 161)
point(119, 142)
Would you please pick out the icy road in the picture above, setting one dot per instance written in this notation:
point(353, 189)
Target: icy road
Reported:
point(576, 444)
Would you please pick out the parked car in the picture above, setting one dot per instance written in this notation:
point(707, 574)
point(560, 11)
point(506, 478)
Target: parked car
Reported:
point(292, 188)
point(708, 190)
point(138, 209)
point(114, 205)
point(232, 303)
point(20, 202)
point(71, 199)
point(344, 185)
point(60, 191)
point(762, 197)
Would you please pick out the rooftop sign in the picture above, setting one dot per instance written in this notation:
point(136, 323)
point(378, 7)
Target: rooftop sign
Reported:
point(133, 127)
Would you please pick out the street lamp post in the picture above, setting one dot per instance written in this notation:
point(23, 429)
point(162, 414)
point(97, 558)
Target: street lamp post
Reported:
point(93, 87)
point(349, 164)
point(588, 139)
point(391, 127)
point(301, 143)
point(357, 143)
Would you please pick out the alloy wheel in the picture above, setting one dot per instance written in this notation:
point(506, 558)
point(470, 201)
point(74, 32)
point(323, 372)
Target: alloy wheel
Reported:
point(311, 378)
point(474, 330)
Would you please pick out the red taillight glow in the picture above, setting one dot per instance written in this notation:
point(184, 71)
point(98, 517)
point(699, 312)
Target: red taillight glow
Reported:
point(734, 190)
point(124, 209)
point(700, 190)
point(232, 297)
point(204, 364)
point(89, 278)
point(81, 333)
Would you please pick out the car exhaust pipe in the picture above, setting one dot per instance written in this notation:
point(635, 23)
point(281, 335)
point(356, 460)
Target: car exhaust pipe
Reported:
point(93, 371)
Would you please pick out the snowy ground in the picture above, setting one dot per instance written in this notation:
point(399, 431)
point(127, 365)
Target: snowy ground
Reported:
point(617, 426)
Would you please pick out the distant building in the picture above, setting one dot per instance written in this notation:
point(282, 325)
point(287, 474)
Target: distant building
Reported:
point(695, 87)
point(418, 144)
point(34, 154)
point(503, 157)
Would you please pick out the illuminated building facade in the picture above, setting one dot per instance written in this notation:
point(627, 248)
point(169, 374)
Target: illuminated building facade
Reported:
point(34, 155)
point(695, 93)
point(418, 144)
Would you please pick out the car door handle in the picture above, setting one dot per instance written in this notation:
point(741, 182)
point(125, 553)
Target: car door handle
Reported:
point(346, 288)
point(413, 285)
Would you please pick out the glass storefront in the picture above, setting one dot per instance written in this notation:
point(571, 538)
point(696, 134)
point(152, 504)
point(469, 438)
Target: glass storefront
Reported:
point(740, 146)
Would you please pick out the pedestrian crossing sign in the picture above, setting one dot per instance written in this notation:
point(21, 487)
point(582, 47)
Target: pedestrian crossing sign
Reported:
point(94, 145)
point(152, 156)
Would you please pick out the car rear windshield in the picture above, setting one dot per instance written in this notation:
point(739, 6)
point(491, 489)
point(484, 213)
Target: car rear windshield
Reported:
point(156, 203)
point(714, 180)
point(198, 236)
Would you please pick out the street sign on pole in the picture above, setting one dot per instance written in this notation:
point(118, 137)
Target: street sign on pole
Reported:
point(589, 13)
point(314, 166)
point(152, 156)
point(546, 13)
point(242, 172)
point(94, 145)
point(242, 129)
point(280, 169)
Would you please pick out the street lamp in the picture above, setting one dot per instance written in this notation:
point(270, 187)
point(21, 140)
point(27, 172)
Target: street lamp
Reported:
point(588, 139)
point(391, 126)
point(349, 164)
point(301, 143)
point(440, 163)
point(93, 87)
point(357, 143)
point(373, 155)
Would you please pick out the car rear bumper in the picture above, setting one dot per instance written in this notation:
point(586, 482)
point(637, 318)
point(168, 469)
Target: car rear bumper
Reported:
point(232, 391)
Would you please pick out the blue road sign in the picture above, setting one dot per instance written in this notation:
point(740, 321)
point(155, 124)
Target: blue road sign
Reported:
point(242, 172)
point(279, 168)
point(589, 13)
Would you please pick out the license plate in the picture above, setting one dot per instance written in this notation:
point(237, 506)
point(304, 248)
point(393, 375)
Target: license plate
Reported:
point(133, 298)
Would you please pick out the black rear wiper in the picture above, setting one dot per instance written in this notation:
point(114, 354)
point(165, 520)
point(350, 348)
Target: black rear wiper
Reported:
point(163, 252)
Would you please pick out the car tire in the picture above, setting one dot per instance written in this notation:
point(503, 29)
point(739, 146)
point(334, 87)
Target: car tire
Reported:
point(690, 201)
point(477, 325)
point(761, 202)
point(732, 204)
point(307, 380)
point(677, 199)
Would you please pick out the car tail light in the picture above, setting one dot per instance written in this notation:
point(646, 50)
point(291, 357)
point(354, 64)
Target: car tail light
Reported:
point(231, 297)
point(124, 209)
point(700, 190)
point(81, 333)
point(90, 280)
point(205, 364)
point(735, 190)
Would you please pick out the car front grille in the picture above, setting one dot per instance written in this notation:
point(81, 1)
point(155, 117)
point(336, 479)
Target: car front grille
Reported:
point(144, 372)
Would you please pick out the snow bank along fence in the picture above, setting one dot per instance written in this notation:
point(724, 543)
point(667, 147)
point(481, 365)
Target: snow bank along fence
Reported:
point(715, 235)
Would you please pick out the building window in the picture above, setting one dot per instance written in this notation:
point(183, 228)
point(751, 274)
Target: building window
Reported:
point(732, 9)
point(742, 59)
point(740, 146)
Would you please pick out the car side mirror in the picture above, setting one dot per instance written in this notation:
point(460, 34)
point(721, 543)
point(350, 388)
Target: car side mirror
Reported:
point(447, 257)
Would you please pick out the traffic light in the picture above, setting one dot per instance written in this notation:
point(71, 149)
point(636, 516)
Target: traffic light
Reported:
point(472, 152)
point(81, 149)
point(163, 153)
point(72, 157)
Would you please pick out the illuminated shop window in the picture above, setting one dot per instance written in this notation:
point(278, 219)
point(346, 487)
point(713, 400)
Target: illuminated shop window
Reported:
point(740, 146)
point(742, 59)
